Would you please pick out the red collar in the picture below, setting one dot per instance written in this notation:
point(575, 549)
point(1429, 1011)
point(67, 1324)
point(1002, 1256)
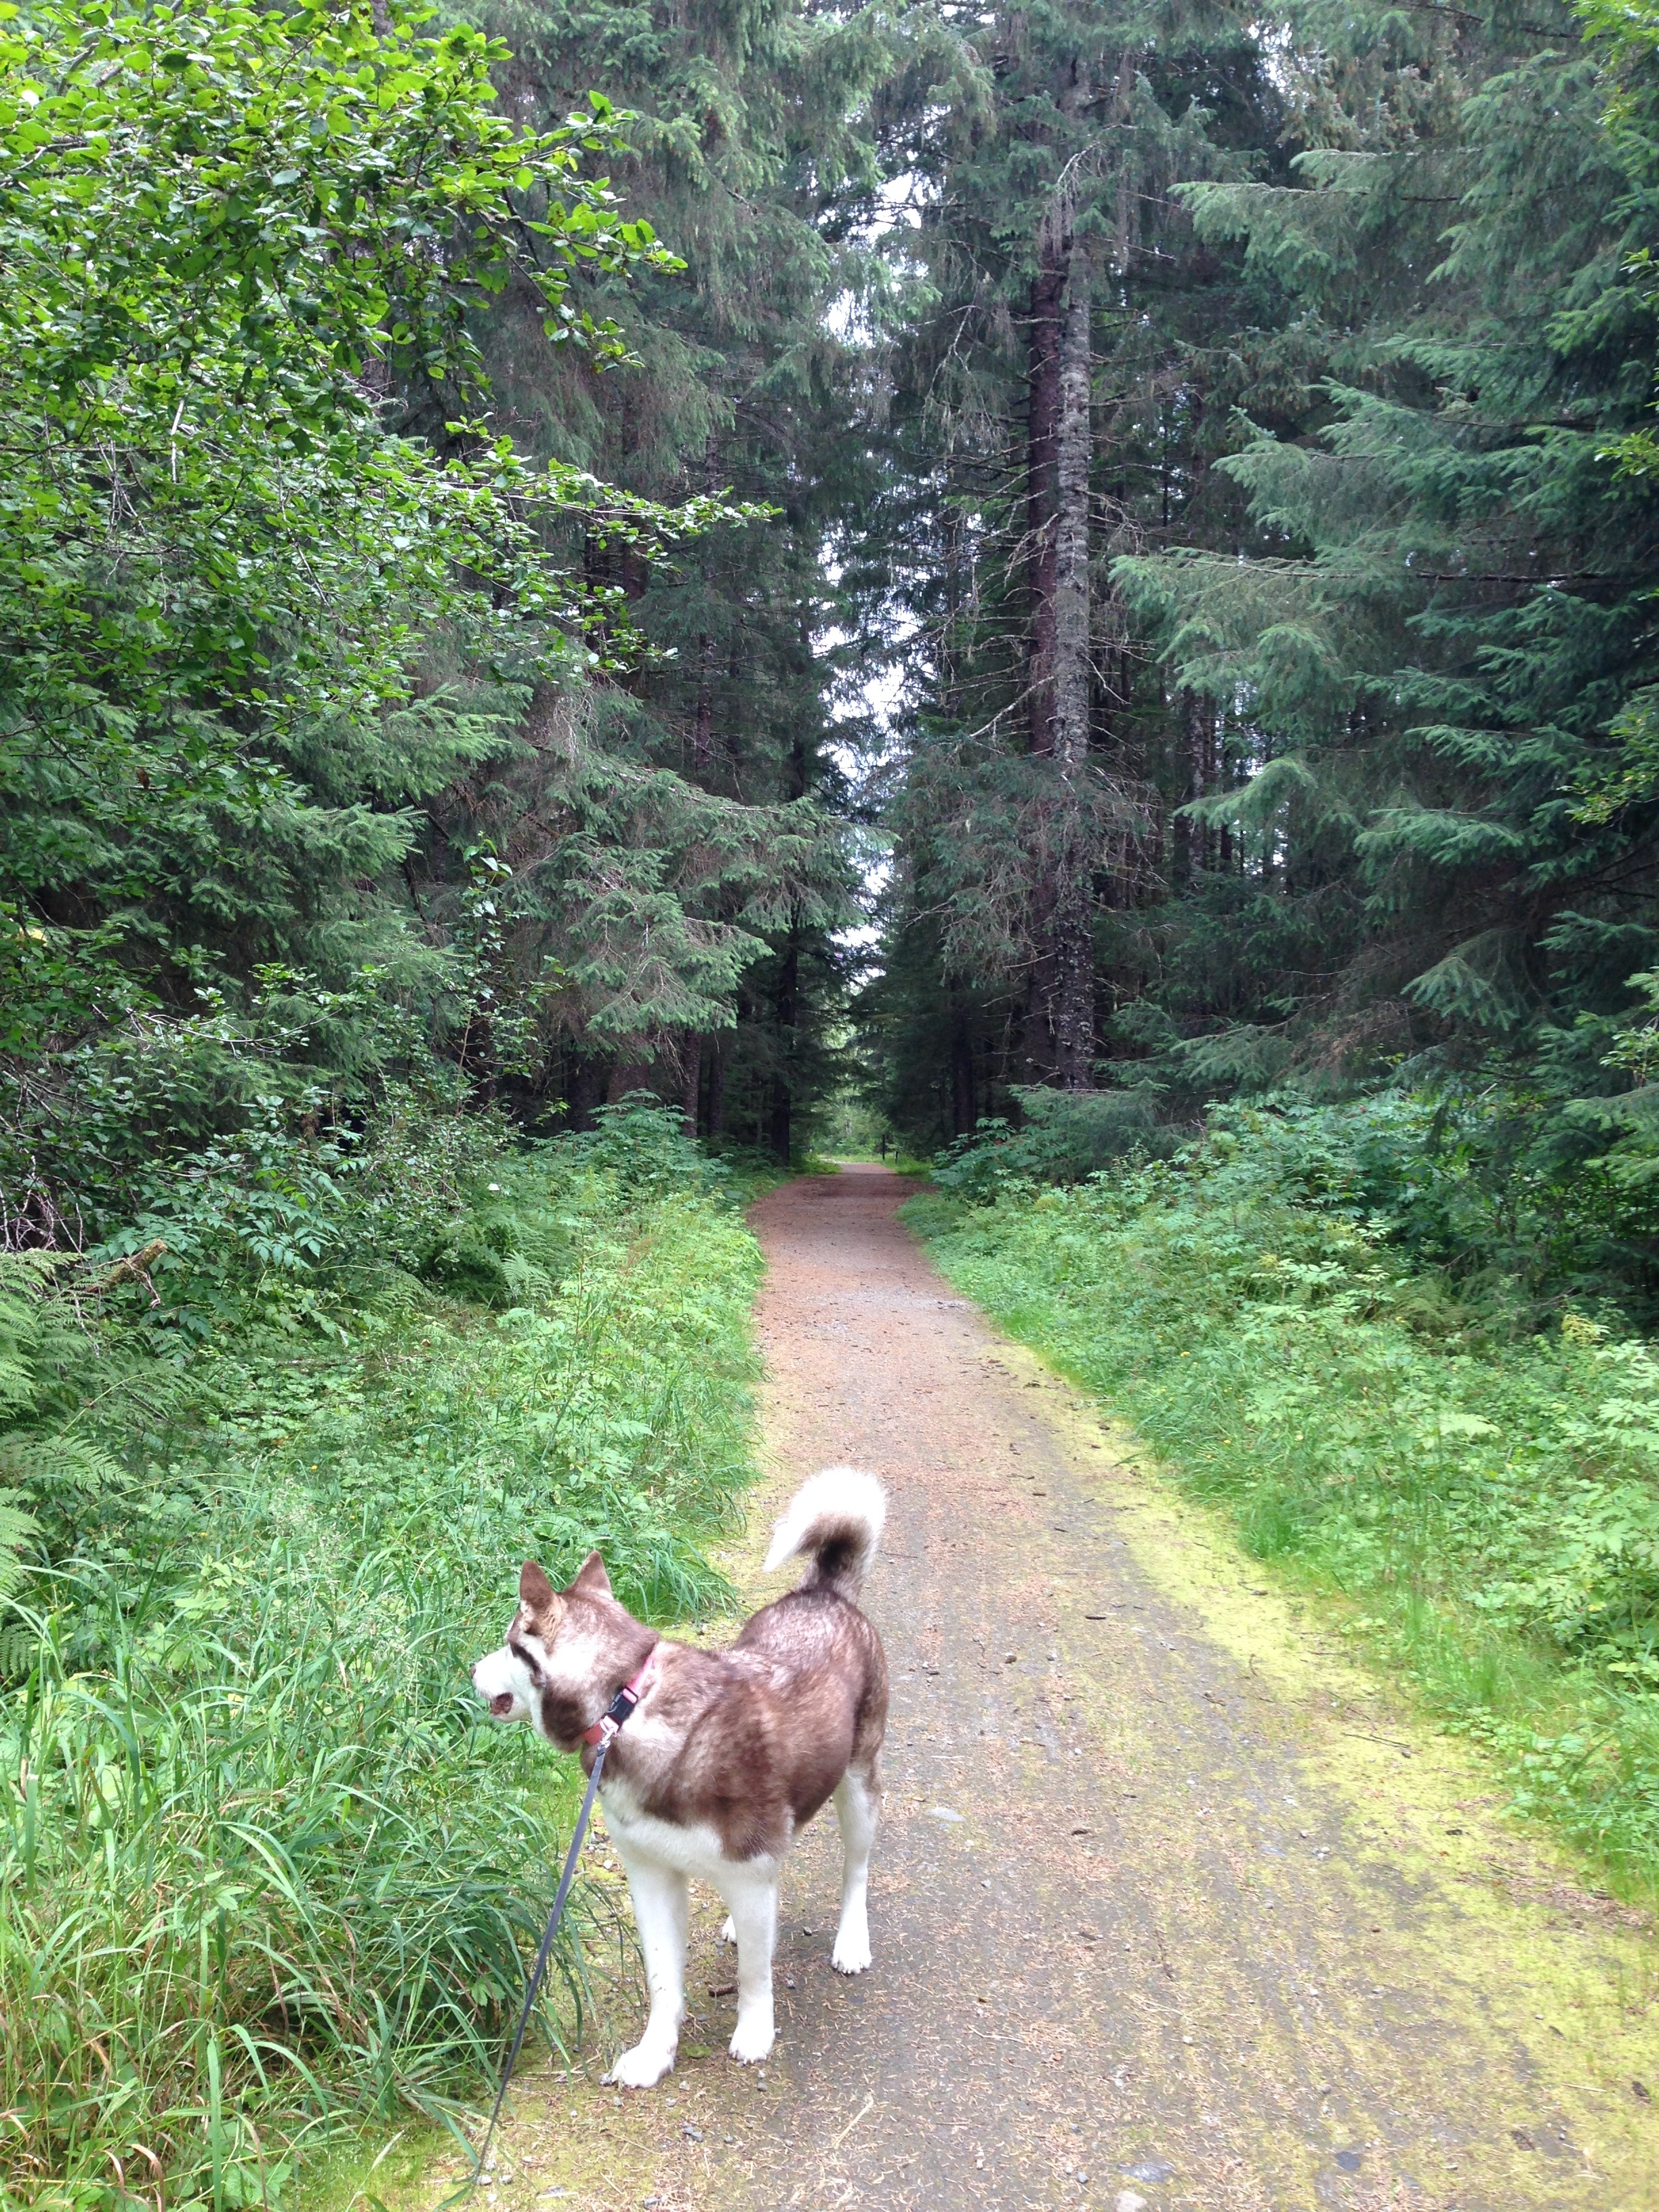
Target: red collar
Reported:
point(621, 1705)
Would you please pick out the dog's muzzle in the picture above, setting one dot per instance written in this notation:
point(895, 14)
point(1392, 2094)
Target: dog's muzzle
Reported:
point(492, 1680)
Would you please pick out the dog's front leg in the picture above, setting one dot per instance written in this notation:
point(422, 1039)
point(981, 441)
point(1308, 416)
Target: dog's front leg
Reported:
point(659, 1913)
point(752, 1894)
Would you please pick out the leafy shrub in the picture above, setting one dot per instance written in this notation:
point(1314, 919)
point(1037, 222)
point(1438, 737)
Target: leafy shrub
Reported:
point(1063, 1137)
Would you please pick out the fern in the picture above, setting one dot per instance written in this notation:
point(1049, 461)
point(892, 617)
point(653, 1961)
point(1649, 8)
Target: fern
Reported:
point(19, 1648)
point(45, 1464)
point(17, 1526)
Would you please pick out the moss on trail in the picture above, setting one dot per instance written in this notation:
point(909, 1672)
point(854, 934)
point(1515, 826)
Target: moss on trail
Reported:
point(1506, 1912)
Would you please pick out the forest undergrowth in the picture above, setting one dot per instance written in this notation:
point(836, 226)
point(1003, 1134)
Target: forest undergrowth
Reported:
point(1468, 1481)
point(268, 1879)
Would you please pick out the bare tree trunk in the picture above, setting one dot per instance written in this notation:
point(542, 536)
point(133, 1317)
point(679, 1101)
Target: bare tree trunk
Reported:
point(717, 1089)
point(1197, 738)
point(782, 1115)
point(1033, 1048)
point(1072, 1017)
point(950, 641)
point(702, 728)
point(691, 1081)
point(1218, 781)
point(585, 1087)
point(1042, 447)
point(629, 1073)
point(1073, 454)
point(962, 1073)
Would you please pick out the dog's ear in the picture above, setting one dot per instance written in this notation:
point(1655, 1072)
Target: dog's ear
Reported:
point(593, 1581)
point(536, 1594)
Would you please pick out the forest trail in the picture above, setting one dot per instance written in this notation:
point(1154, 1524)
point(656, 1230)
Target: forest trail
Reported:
point(1167, 1909)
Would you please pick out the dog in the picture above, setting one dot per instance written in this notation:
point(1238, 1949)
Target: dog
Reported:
point(726, 1755)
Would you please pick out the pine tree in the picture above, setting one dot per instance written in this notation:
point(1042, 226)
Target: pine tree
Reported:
point(747, 153)
point(1423, 674)
point(1060, 404)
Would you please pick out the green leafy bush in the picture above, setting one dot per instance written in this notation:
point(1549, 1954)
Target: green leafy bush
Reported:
point(1525, 1199)
point(1063, 1136)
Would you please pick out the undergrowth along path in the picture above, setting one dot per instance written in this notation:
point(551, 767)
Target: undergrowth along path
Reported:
point(1170, 1907)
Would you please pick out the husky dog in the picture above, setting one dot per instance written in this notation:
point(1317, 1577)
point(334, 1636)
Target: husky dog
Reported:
point(727, 1753)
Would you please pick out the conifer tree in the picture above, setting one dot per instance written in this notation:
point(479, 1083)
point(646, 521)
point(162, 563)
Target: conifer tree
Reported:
point(1422, 675)
point(746, 150)
point(1059, 403)
point(229, 561)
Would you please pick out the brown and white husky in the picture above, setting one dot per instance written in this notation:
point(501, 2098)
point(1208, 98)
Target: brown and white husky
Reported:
point(726, 1755)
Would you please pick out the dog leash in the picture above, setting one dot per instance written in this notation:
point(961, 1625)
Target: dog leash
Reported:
point(603, 1733)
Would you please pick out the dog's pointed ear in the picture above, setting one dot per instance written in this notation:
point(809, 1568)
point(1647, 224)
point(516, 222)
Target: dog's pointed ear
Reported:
point(536, 1593)
point(593, 1581)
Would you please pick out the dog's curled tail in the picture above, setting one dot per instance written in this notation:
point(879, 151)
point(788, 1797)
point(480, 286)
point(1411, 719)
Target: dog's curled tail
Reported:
point(836, 1518)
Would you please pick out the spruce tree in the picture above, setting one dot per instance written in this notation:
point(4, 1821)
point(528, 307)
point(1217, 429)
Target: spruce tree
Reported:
point(1060, 404)
point(747, 152)
point(1423, 674)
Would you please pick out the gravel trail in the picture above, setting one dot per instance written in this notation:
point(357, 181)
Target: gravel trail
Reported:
point(1170, 1908)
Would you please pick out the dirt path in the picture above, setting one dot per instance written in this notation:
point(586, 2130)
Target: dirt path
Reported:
point(1167, 1910)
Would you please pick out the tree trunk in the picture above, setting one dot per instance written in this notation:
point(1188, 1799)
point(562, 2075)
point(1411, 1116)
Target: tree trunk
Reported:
point(1042, 448)
point(691, 1081)
point(629, 1073)
point(783, 1128)
point(596, 573)
point(950, 641)
point(1219, 781)
point(702, 728)
point(584, 1086)
point(1071, 594)
point(717, 1089)
point(962, 1076)
point(1033, 1051)
point(1197, 736)
point(1071, 1016)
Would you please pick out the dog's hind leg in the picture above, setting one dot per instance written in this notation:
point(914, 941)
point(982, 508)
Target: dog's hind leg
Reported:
point(659, 1913)
point(856, 1802)
point(751, 1892)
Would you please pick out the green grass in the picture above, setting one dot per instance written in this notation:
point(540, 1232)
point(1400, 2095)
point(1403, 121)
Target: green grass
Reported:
point(1483, 1513)
point(268, 1880)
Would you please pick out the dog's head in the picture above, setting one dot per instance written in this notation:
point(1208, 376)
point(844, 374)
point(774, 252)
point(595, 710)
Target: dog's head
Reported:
point(565, 1656)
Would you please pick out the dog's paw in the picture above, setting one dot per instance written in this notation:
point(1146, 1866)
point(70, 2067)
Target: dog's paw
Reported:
point(729, 1930)
point(752, 2042)
point(641, 2068)
point(851, 1954)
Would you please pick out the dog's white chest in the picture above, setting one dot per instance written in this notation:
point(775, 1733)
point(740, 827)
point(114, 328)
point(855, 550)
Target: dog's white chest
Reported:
point(694, 1848)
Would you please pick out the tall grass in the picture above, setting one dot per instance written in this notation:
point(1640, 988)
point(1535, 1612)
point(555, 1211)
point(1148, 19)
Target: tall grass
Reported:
point(1483, 1505)
point(265, 1872)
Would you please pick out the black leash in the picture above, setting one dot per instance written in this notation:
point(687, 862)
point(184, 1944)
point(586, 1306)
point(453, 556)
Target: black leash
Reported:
point(621, 1706)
